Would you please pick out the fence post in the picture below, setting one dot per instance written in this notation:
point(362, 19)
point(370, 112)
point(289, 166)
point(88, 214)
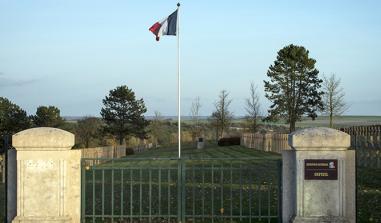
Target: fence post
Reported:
point(267, 141)
point(48, 176)
point(319, 177)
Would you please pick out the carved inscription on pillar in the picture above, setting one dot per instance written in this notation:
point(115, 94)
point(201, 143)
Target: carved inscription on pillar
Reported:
point(39, 164)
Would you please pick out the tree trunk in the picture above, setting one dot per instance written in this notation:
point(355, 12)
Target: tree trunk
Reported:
point(141, 143)
point(254, 126)
point(331, 120)
point(120, 140)
point(292, 125)
point(87, 143)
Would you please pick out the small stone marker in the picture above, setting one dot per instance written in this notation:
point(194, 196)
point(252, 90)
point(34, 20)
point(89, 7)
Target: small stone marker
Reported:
point(200, 143)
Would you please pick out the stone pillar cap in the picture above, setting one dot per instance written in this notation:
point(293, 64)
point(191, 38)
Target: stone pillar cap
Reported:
point(43, 138)
point(320, 138)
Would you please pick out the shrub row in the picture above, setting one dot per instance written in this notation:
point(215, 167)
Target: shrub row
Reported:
point(231, 141)
point(129, 151)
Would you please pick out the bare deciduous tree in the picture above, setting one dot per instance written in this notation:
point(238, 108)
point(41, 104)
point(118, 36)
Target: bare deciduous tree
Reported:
point(156, 127)
point(222, 116)
point(160, 134)
point(252, 107)
point(333, 99)
point(195, 116)
point(89, 129)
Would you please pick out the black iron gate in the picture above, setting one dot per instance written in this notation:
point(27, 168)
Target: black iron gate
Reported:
point(181, 190)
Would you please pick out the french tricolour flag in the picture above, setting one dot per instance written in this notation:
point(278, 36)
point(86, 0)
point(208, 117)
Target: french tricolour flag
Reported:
point(166, 26)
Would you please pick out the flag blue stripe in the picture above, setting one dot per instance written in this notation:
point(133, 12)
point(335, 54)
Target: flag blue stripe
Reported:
point(172, 24)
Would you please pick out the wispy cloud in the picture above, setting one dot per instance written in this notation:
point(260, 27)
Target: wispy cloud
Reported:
point(9, 82)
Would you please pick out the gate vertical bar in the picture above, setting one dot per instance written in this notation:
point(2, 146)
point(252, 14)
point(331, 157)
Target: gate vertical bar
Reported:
point(250, 194)
point(179, 197)
point(93, 197)
point(222, 192)
point(193, 196)
point(259, 198)
point(240, 192)
point(103, 195)
point(169, 195)
point(5, 175)
point(268, 202)
point(231, 191)
point(183, 189)
point(112, 191)
point(121, 193)
point(280, 191)
point(150, 195)
point(83, 190)
point(140, 193)
point(131, 194)
point(159, 190)
point(203, 191)
point(212, 192)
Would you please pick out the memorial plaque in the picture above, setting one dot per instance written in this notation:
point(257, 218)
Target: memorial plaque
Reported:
point(320, 169)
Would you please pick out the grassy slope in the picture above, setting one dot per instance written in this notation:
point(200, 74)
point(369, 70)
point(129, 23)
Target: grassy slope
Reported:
point(368, 195)
point(2, 202)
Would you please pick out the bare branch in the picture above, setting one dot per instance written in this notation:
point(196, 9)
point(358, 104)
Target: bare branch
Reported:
point(252, 107)
point(195, 116)
point(333, 99)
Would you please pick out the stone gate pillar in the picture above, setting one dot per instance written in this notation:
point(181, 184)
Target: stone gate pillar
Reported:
point(319, 177)
point(48, 176)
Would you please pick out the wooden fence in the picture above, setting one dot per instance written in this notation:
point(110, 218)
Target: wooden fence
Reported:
point(108, 151)
point(366, 140)
point(363, 130)
point(103, 152)
point(269, 142)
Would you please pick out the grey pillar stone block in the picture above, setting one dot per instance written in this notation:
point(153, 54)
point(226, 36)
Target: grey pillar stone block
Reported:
point(318, 200)
point(48, 176)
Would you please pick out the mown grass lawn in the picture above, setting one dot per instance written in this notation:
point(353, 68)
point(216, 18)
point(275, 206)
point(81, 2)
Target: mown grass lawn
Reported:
point(368, 195)
point(2, 202)
point(220, 184)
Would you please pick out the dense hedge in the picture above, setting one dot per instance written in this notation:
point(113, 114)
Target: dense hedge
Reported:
point(129, 151)
point(229, 141)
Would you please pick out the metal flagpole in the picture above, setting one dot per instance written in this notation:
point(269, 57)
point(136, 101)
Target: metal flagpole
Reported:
point(178, 79)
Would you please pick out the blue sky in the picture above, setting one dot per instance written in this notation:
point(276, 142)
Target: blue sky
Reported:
point(71, 53)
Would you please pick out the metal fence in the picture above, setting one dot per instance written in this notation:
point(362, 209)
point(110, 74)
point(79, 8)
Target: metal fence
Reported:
point(181, 190)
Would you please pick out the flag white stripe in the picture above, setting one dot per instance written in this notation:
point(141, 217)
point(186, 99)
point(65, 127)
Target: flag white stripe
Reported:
point(164, 28)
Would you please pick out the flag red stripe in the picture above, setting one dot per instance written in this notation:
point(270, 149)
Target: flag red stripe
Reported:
point(155, 28)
